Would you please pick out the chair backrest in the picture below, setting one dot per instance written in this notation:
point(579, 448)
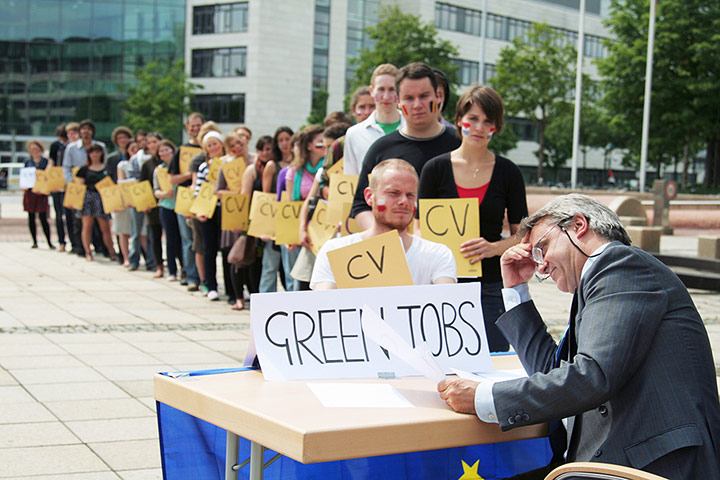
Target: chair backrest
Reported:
point(604, 471)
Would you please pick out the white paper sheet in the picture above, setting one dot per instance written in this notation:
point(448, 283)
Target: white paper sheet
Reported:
point(358, 395)
point(381, 333)
point(495, 376)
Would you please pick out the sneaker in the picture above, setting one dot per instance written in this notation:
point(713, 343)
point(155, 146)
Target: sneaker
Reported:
point(205, 290)
point(184, 282)
point(62, 247)
point(193, 287)
point(213, 295)
point(172, 278)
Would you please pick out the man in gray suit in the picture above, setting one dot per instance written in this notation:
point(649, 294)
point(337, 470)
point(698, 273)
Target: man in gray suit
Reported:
point(634, 374)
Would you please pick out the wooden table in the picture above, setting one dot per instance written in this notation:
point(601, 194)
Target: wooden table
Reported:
point(289, 419)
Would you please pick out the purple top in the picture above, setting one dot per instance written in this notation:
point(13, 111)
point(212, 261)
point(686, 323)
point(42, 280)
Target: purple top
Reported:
point(281, 182)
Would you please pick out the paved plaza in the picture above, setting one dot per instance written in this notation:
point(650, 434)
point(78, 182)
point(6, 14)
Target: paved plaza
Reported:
point(80, 343)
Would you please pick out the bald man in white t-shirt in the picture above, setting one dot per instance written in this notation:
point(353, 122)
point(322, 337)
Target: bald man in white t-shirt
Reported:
point(392, 195)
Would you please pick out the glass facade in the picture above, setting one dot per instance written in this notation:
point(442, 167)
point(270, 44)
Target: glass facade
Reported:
point(64, 60)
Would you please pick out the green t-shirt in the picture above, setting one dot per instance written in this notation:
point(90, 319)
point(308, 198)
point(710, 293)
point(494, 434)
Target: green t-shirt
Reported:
point(389, 127)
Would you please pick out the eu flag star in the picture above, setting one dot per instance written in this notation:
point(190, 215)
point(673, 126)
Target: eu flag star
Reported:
point(470, 473)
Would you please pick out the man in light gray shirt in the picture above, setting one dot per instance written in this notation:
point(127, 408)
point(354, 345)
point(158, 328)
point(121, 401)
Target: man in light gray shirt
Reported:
point(75, 154)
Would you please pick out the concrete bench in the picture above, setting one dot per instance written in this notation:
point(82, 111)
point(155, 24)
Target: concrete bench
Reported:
point(709, 246)
point(629, 208)
point(633, 221)
point(647, 238)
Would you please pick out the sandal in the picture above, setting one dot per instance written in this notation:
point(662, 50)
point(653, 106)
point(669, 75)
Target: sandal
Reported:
point(89, 257)
point(238, 305)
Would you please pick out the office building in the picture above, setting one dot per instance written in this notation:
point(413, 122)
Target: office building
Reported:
point(260, 62)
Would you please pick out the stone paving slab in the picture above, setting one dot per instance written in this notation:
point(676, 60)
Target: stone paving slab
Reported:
point(80, 342)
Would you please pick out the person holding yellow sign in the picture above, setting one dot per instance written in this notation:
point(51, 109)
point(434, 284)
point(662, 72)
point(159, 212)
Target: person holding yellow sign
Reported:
point(392, 194)
point(36, 203)
point(165, 193)
point(210, 224)
point(473, 171)
point(89, 175)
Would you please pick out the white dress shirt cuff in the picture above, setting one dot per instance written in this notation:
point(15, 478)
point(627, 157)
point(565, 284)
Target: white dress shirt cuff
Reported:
point(484, 404)
point(514, 296)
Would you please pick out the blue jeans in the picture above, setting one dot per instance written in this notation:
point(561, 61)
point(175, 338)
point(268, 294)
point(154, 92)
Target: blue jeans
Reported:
point(288, 260)
point(188, 255)
point(270, 265)
point(136, 222)
point(168, 218)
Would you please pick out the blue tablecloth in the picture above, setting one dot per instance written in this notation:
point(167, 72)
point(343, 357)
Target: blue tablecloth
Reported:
point(194, 449)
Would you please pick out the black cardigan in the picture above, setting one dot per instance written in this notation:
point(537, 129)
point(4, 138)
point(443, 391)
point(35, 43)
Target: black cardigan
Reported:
point(505, 192)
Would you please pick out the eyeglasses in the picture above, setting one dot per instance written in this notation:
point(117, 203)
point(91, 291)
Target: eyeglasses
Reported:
point(539, 257)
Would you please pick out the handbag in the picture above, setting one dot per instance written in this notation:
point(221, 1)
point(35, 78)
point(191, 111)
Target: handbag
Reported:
point(243, 251)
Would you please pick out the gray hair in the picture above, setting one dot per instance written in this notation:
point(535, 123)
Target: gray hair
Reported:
point(561, 211)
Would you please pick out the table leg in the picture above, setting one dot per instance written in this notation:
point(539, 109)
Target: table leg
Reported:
point(231, 455)
point(256, 461)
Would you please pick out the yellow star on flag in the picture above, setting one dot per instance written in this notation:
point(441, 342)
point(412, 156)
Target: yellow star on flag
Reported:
point(470, 473)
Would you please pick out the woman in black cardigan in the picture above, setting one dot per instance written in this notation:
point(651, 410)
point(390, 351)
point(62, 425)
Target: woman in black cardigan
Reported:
point(473, 171)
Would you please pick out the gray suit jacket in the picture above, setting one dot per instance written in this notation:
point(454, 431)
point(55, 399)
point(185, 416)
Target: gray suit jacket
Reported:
point(638, 382)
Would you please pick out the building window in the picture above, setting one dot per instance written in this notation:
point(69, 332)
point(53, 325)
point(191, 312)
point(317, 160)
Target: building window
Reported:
point(228, 108)
point(594, 47)
point(219, 62)
point(496, 27)
point(524, 129)
point(321, 45)
point(468, 71)
point(466, 20)
point(223, 18)
point(490, 72)
point(361, 14)
point(458, 19)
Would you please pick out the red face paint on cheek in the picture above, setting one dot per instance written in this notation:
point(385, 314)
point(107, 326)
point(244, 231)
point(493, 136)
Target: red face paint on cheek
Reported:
point(381, 208)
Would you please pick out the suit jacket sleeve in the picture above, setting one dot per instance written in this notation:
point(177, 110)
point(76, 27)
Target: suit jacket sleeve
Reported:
point(620, 306)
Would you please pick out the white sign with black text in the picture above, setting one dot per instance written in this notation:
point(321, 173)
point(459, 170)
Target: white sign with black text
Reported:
point(318, 335)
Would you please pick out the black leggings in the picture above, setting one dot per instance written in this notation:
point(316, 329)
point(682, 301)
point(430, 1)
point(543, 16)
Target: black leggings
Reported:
point(242, 276)
point(33, 227)
point(155, 240)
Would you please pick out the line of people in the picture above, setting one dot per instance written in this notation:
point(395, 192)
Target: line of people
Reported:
point(398, 116)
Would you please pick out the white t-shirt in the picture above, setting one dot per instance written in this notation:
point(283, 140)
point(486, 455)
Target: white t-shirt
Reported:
point(427, 260)
point(358, 140)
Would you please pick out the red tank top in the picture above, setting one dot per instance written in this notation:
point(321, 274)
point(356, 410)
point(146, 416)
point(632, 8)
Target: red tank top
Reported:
point(478, 192)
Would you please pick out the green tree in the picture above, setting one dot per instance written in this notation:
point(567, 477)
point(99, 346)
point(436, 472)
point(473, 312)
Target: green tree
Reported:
point(160, 99)
point(504, 142)
point(400, 38)
point(319, 107)
point(535, 77)
point(685, 94)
